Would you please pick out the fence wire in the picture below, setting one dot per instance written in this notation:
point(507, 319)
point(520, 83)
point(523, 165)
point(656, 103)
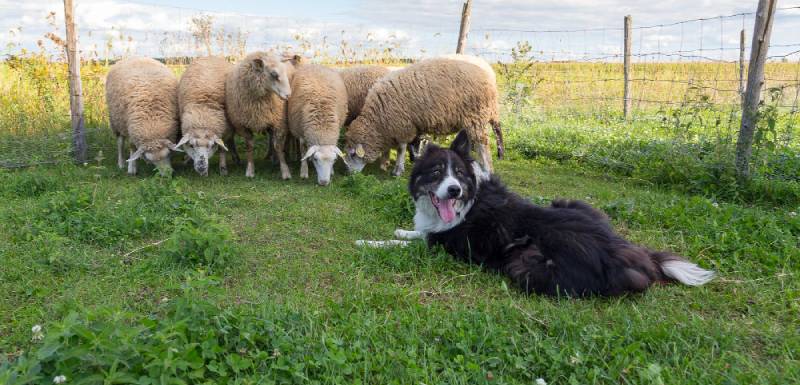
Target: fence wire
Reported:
point(682, 68)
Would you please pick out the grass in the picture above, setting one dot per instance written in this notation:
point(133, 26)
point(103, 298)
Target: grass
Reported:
point(296, 301)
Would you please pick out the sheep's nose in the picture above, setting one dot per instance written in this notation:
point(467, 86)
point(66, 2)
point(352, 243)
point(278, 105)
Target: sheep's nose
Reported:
point(453, 191)
point(324, 182)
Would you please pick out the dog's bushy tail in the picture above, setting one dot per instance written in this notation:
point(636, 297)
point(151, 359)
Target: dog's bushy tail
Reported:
point(675, 268)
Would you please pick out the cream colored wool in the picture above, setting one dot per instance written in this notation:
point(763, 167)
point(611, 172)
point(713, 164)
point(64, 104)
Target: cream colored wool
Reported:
point(358, 81)
point(317, 111)
point(434, 96)
point(201, 100)
point(142, 99)
point(254, 93)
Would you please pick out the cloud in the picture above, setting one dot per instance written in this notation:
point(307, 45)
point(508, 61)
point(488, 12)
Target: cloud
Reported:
point(557, 29)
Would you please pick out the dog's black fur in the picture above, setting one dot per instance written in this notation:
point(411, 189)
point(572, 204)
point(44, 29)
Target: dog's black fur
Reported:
point(566, 248)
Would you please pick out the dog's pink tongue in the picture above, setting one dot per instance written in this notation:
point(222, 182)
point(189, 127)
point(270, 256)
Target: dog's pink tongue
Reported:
point(446, 209)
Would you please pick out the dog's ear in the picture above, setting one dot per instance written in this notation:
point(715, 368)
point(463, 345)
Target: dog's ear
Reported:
point(461, 144)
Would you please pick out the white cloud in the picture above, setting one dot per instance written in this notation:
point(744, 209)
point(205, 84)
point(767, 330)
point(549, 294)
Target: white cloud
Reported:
point(584, 28)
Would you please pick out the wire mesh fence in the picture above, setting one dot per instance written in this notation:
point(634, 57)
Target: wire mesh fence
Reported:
point(682, 70)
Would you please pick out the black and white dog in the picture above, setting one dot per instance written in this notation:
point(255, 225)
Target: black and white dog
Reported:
point(567, 248)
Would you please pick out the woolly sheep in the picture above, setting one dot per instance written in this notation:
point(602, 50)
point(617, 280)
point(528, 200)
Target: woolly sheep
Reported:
point(435, 96)
point(256, 90)
point(358, 81)
point(142, 99)
point(317, 111)
point(201, 100)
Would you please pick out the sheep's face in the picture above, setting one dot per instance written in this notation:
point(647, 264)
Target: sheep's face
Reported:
point(201, 149)
point(323, 158)
point(355, 159)
point(157, 153)
point(274, 73)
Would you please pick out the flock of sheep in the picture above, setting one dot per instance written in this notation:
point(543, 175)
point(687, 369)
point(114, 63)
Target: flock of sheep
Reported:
point(265, 93)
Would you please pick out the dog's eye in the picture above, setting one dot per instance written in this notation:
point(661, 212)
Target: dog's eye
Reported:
point(459, 172)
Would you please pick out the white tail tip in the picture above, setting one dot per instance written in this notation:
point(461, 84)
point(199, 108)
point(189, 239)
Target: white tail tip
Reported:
point(687, 273)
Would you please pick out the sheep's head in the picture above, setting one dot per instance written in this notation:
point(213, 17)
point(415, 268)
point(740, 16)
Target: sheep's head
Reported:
point(323, 158)
point(355, 158)
point(200, 147)
point(156, 152)
point(271, 73)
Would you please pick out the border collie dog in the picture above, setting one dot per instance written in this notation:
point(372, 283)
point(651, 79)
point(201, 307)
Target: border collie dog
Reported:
point(567, 248)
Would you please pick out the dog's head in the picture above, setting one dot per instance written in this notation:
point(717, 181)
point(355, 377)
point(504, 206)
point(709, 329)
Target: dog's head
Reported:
point(446, 179)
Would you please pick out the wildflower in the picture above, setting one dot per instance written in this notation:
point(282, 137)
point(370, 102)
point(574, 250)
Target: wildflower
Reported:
point(38, 335)
point(792, 214)
point(715, 204)
point(60, 379)
point(541, 381)
point(164, 299)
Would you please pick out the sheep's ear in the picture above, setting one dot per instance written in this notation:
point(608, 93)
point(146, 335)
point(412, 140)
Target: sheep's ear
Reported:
point(220, 143)
point(258, 64)
point(311, 151)
point(136, 155)
point(360, 151)
point(177, 147)
point(461, 144)
point(293, 59)
point(341, 155)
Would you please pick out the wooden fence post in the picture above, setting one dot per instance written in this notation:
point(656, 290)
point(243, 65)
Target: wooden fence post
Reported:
point(765, 16)
point(79, 147)
point(741, 65)
point(464, 30)
point(626, 109)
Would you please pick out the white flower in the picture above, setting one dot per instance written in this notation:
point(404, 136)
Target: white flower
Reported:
point(541, 381)
point(792, 214)
point(37, 333)
point(60, 379)
point(715, 204)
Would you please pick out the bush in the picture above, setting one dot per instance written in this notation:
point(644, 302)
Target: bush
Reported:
point(201, 241)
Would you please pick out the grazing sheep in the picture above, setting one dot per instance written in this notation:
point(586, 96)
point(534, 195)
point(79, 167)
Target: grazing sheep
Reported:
point(435, 96)
point(201, 99)
point(142, 99)
point(358, 81)
point(317, 111)
point(498, 133)
point(256, 90)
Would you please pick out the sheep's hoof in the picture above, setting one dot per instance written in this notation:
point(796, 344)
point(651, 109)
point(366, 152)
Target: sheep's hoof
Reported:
point(304, 175)
point(223, 171)
point(286, 176)
point(398, 172)
point(250, 171)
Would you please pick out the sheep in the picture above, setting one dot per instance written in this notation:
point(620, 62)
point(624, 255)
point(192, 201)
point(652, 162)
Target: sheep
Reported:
point(317, 110)
point(435, 96)
point(142, 99)
point(256, 90)
point(201, 100)
point(358, 81)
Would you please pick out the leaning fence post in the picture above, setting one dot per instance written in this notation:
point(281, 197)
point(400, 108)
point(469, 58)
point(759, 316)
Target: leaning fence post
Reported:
point(626, 109)
point(762, 29)
point(75, 89)
point(464, 29)
point(741, 65)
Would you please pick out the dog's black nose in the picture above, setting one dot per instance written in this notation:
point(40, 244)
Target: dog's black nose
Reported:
point(453, 191)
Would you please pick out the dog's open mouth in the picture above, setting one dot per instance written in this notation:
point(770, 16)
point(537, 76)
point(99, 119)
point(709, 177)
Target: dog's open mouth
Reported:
point(445, 207)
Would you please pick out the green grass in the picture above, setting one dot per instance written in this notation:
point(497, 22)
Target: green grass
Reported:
point(90, 254)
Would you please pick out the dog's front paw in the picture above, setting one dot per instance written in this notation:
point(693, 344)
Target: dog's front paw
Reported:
point(406, 234)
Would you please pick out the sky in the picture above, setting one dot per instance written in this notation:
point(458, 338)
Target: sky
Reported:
point(556, 29)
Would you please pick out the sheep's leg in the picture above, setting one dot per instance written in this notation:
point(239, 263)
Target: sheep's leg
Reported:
point(303, 162)
point(223, 162)
point(280, 144)
point(251, 168)
point(498, 136)
point(120, 150)
point(231, 144)
point(484, 154)
point(132, 164)
point(400, 163)
point(385, 160)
